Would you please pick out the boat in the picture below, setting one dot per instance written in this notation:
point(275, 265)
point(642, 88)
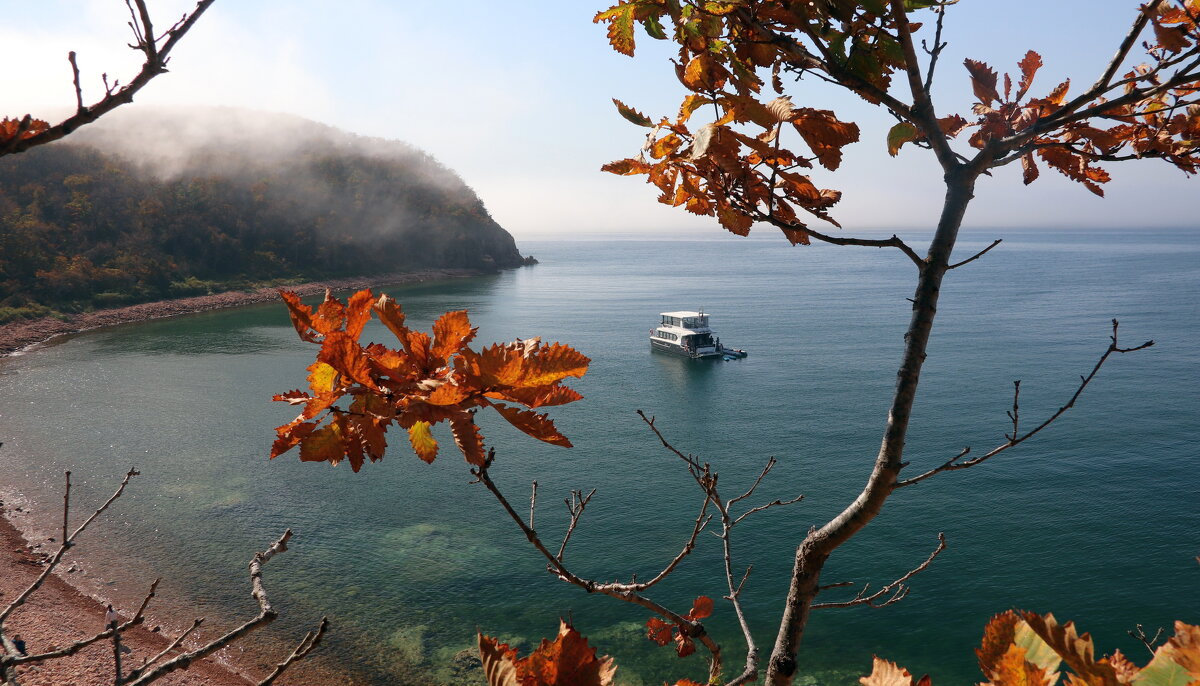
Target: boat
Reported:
point(688, 334)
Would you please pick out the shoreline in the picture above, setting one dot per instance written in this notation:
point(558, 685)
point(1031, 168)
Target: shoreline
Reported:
point(22, 335)
point(58, 614)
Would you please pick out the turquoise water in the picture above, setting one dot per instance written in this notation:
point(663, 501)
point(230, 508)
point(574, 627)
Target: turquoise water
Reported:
point(1097, 520)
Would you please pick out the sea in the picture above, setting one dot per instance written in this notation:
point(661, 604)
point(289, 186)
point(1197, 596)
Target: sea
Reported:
point(1096, 519)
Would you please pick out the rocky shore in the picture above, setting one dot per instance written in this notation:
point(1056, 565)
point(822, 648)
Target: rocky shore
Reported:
point(19, 335)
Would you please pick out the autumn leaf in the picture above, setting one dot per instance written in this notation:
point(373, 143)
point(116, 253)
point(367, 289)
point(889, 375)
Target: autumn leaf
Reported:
point(983, 81)
point(898, 135)
point(626, 167)
point(887, 673)
point(825, 134)
point(451, 333)
point(620, 26)
point(659, 631)
point(1029, 66)
point(632, 115)
point(1076, 651)
point(701, 607)
point(423, 443)
point(568, 660)
point(532, 424)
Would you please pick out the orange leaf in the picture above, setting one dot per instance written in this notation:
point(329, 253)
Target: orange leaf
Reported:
point(342, 352)
point(702, 607)
point(323, 445)
point(567, 661)
point(626, 167)
point(300, 314)
point(1029, 169)
point(620, 26)
point(1012, 669)
point(467, 438)
point(389, 312)
point(684, 645)
point(451, 333)
point(997, 637)
point(538, 396)
point(735, 221)
point(533, 424)
point(1186, 645)
point(358, 312)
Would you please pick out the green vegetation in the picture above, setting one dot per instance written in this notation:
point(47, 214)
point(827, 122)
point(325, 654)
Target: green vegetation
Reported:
point(81, 228)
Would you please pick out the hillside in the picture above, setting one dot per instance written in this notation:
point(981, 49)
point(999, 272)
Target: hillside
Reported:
point(163, 204)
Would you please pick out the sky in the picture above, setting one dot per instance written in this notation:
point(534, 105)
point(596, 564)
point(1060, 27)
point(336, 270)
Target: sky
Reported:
point(516, 98)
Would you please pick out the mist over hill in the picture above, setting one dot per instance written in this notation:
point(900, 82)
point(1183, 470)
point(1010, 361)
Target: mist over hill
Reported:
point(163, 203)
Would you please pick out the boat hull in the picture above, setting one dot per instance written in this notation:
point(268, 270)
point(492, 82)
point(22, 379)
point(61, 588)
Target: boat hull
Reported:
point(677, 350)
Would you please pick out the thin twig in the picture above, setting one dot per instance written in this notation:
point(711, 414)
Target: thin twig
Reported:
point(62, 549)
point(977, 255)
point(75, 79)
point(108, 632)
point(310, 641)
point(897, 589)
point(165, 651)
point(954, 463)
point(266, 615)
point(1140, 635)
point(532, 503)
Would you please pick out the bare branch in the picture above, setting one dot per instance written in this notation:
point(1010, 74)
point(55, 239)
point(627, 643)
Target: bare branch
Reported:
point(922, 110)
point(1139, 25)
point(75, 79)
point(773, 503)
point(109, 632)
point(62, 549)
point(575, 505)
point(165, 651)
point(1140, 634)
point(896, 591)
point(626, 592)
point(771, 461)
point(310, 641)
point(533, 504)
point(266, 615)
point(156, 60)
point(956, 462)
point(936, 51)
point(977, 255)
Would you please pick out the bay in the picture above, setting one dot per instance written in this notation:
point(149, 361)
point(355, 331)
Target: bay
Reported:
point(1095, 520)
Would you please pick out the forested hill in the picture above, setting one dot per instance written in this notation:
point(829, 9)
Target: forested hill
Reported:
point(151, 206)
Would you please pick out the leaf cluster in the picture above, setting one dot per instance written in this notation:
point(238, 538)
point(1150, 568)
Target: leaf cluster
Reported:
point(426, 380)
point(662, 632)
point(1028, 649)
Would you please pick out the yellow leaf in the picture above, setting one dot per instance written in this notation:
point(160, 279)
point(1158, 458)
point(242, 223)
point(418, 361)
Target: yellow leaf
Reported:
point(423, 442)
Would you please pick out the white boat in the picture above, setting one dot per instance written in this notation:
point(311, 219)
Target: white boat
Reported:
point(688, 334)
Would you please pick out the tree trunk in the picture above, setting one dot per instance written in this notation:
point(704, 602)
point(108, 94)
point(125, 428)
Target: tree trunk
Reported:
point(820, 543)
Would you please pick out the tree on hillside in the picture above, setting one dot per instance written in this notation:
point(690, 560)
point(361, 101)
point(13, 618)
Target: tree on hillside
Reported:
point(20, 135)
point(746, 166)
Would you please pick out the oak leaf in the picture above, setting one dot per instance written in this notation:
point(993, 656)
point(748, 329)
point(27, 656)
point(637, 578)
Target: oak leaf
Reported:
point(983, 81)
point(568, 660)
point(887, 673)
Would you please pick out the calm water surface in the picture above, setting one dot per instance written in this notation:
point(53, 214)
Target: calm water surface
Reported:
point(1098, 520)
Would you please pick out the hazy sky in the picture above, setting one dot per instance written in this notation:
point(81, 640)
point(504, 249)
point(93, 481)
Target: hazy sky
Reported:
point(516, 97)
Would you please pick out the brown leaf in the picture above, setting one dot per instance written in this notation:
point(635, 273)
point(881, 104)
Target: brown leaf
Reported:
point(567, 661)
point(825, 134)
point(684, 645)
point(1012, 669)
point(997, 637)
point(1029, 169)
point(626, 167)
point(1029, 66)
point(1186, 644)
point(1076, 650)
point(659, 631)
point(532, 424)
point(702, 607)
point(301, 316)
point(983, 81)
point(499, 662)
point(886, 673)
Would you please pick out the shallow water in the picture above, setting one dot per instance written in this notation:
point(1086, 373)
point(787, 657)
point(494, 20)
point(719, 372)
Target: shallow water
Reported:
point(1096, 520)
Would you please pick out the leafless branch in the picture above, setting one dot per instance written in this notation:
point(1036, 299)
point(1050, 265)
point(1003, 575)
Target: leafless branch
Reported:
point(266, 615)
point(310, 641)
point(62, 548)
point(155, 64)
point(957, 462)
point(533, 504)
point(108, 632)
point(1140, 634)
point(630, 593)
point(936, 51)
point(977, 255)
point(165, 651)
point(895, 591)
point(1139, 25)
point(893, 242)
point(922, 113)
point(575, 505)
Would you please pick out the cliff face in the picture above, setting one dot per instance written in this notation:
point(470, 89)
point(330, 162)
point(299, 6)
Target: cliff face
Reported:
point(145, 204)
